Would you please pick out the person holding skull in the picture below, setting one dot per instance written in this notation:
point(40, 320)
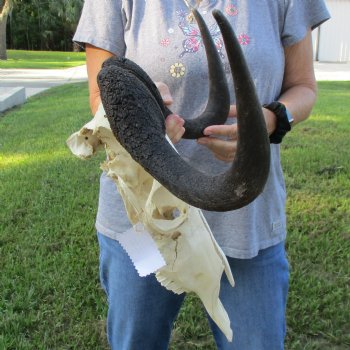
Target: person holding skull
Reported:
point(164, 39)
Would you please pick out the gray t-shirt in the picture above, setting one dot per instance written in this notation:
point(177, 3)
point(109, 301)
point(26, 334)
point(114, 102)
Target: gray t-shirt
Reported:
point(158, 35)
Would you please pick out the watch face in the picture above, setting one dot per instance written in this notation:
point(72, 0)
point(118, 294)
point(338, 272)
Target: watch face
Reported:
point(290, 117)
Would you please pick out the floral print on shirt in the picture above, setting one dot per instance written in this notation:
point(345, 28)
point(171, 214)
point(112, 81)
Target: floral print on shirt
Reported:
point(193, 41)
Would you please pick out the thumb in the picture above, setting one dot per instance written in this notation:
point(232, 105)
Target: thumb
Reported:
point(164, 92)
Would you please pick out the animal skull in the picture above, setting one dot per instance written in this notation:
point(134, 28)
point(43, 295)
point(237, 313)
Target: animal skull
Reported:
point(158, 187)
point(194, 261)
point(132, 103)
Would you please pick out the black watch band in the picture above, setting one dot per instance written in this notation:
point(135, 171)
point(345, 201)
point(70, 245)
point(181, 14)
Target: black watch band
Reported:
point(284, 121)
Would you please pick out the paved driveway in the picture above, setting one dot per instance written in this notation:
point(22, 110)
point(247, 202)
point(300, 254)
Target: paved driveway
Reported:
point(332, 71)
point(37, 80)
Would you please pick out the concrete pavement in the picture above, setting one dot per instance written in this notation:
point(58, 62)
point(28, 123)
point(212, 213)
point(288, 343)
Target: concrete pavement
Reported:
point(38, 80)
point(332, 71)
point(16, 85)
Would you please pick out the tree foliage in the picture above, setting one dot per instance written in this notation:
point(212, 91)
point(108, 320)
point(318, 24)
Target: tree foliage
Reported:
point(43, 24)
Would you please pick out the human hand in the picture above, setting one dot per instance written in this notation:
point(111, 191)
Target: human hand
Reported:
point(164, 92)
point(174, 125)
point(222, 140)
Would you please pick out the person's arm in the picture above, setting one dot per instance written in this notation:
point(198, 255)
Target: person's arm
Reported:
point(94, 59)
point(299, 88)
point(298, 95)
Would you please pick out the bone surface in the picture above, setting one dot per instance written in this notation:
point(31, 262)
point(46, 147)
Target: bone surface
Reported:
point(194, 261)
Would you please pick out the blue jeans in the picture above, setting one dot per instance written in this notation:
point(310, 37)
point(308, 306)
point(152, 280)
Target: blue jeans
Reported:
point(141, 312)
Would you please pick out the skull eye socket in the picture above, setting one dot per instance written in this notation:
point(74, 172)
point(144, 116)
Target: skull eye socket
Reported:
point(167, 213)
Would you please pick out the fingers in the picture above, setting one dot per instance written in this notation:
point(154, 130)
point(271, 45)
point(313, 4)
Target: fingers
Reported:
point(174, 127)
point(228, 132)
point(222, 149)
point(222, 141)
point(164, 92)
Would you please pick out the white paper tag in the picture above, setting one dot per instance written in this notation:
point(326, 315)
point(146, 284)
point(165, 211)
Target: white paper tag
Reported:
point(142, 249)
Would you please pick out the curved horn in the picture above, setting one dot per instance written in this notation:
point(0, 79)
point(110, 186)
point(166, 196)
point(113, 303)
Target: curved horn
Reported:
point(137, 121)
point(136, 70)
point(218, 105)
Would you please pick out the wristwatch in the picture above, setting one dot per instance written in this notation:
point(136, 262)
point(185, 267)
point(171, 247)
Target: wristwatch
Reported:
point(284, 120)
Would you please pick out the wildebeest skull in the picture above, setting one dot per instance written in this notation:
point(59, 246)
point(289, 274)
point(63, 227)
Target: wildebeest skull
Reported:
point(194, 261)
point(136, 147)
point(136, 114)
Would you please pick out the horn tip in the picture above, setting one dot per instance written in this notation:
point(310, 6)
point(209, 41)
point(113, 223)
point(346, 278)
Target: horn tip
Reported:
point(217, 14)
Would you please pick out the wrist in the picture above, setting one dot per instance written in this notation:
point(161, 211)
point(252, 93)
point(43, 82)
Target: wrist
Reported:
point(283, 121)
point(270, 119)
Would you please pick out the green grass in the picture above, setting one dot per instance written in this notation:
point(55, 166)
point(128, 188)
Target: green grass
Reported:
point(50, 296)
point(316, 159)
point(42, 59)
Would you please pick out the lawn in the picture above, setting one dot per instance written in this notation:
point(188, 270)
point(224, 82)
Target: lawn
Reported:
point(50, 295)
point(42, 59)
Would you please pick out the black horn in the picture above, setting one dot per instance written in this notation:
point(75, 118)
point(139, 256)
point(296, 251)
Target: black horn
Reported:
point(218, 105)
point(136, 116)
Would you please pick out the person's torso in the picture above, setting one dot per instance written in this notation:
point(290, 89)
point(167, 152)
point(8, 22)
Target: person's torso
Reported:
point(161, 38)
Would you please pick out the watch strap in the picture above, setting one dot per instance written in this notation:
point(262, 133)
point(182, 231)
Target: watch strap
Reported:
point(283, 121)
